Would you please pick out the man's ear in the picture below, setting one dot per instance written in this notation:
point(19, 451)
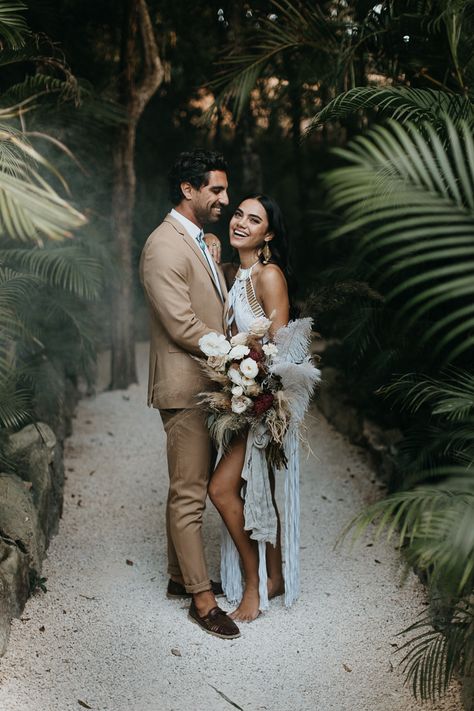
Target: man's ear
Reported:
point(186, 189)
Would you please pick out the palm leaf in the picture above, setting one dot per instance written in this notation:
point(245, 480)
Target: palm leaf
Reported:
point(68, 267)
point(432, 656)
point(15, 406)
point(452, 397)
point(403, 104)
point(28, 211)
point(435, 521)
point(397, 166)
point(13, 27)
point(302, 27)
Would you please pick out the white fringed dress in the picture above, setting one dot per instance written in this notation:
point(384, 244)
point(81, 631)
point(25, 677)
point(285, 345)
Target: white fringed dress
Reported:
point(299, 377)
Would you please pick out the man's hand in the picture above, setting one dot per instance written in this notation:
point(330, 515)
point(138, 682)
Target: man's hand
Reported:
point(214, 246)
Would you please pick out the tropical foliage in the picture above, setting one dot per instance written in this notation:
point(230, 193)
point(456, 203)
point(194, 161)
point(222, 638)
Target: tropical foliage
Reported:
point(405, 192)
point(47, 277)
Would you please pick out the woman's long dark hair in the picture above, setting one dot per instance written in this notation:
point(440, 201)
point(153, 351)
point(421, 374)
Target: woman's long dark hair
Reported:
point(279, 245)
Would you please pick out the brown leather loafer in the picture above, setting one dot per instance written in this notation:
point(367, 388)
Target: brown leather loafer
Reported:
point(177, 591)
point(216, 622)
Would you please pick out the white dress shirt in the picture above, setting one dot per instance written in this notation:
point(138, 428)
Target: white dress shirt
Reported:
point(195, 231)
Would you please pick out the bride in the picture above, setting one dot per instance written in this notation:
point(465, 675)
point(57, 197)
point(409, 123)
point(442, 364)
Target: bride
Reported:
point(259, 288)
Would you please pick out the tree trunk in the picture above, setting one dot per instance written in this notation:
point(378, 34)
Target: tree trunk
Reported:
point(141, 73)
point(123, 367)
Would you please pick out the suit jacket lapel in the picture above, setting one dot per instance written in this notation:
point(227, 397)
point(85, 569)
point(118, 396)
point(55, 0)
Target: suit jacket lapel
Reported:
point(199, 253)
point(222, 282)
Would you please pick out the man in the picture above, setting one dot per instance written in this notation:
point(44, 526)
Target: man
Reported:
point(186, 292)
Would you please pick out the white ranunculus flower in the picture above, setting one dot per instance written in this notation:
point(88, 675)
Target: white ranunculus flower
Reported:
point(240, 339)
point(235, 376)
point(240, 404)
point(260, 326)
point(214, 344)
point(270, 349)
point(249, 368)
point(237, 390)
point(238, 352)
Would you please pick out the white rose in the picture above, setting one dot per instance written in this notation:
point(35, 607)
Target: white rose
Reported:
point(238, 352)
point(235, 376)
point(270, 349)
point(217, 362)
point(237, 390)
point(249, 368)
point(214, 344)
point(260, 326)
point(240, 404)
point(240, 339)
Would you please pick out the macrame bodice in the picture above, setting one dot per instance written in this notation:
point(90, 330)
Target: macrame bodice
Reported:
point(243, 304)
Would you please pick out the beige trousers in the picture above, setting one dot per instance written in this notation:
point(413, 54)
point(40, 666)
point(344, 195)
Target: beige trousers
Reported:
point(189, 462)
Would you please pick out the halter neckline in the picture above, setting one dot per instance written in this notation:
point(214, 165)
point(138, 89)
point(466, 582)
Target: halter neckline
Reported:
point(243, 274)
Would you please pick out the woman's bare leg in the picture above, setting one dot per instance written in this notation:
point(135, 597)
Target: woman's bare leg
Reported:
point(224, 492)
point(276, 584)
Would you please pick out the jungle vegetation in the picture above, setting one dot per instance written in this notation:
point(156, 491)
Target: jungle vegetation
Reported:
point(371, 107)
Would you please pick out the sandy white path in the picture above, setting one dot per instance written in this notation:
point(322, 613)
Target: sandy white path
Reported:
point(105, 637)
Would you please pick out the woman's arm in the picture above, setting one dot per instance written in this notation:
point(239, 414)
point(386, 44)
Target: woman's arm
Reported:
point(272, 292)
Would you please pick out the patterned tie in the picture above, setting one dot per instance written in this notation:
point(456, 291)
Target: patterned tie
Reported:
point(202, 244)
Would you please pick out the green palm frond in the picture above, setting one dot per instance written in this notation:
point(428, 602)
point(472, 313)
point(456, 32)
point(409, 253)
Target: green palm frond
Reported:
point(24, 96)
point(78, 99)
point(15, 286)
point(13, 27)
point(14, 405)
point(397, 184)
point(403, 104)
point(434, 523)
point(451, 397)
point(29, 211)
point(78, 331)
point(433, 656)
point(297, 27)
point(65, 266)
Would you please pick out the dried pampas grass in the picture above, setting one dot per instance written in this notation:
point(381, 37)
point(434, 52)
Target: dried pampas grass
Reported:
point(223, 427)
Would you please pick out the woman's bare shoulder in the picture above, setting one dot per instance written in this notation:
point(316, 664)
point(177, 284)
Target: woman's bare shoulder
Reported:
point(270, 276)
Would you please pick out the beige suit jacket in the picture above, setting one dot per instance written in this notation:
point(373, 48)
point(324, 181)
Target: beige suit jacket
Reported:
point(184, 305)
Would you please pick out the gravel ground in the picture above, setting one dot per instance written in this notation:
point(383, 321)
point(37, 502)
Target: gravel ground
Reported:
point(105, 637)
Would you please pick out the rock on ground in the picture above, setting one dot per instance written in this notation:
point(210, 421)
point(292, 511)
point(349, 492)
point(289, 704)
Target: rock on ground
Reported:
point(105, 637)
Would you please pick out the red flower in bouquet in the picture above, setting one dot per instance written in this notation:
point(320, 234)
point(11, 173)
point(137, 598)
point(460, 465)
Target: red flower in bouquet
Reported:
point(262, 403)
point(257, 356)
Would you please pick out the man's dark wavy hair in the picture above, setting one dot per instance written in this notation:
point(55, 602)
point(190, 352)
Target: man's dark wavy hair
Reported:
point(193, 167)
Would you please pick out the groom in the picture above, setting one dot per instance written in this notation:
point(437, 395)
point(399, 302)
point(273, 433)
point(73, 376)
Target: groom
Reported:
point(185, 293)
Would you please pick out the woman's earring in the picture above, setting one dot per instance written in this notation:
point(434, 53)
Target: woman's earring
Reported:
point(266, 252)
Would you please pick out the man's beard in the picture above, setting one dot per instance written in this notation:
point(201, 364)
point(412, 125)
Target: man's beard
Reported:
point(209, 215)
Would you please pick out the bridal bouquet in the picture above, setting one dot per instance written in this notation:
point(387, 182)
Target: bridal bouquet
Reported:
point(250, 391)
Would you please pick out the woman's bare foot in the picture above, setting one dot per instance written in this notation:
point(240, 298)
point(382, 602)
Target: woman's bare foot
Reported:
point(276, 587)
point(248, 610)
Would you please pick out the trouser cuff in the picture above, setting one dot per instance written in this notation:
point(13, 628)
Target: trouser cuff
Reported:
point(198, 587)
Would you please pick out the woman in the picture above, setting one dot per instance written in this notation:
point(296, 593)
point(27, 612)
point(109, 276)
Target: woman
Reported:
point(260, 288)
